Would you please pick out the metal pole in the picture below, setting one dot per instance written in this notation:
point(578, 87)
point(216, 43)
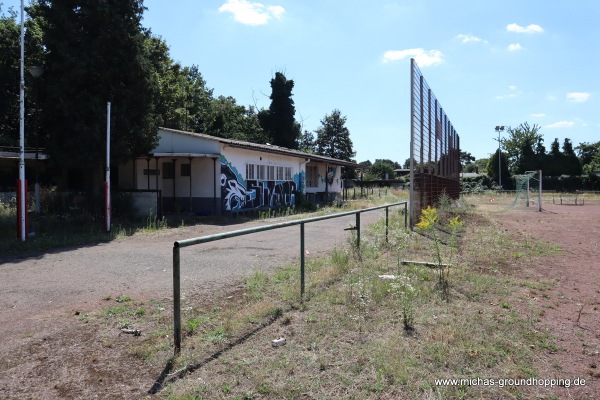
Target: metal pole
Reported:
point(176, 299)
point(412, 138)
point(22, 200)
point(527, 194)
point(302, 282)
point(107, 183)
point(405, 216)
point(386, 223)
point(540, 192)
point(358, 230)
point(499, 163)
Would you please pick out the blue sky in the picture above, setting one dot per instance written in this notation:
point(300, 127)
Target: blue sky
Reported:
point(488, 62)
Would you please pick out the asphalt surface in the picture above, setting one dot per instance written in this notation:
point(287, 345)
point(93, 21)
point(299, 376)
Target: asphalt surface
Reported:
point(141, 265)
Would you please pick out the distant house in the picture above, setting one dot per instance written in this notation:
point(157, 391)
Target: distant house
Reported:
point(202, 174)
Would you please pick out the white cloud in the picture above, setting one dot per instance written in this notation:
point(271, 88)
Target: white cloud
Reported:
point(422, 57)
point(469, 39)
point(561, 124)
point(578, 97)
point(540, 115)
point(514, 47)
point(514, 92)
point(253, 14)
point(533, 28)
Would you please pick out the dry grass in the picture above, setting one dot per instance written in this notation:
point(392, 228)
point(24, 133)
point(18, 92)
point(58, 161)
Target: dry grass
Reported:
point(349, 338)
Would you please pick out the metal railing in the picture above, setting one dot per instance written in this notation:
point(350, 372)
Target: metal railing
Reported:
point(178, 245)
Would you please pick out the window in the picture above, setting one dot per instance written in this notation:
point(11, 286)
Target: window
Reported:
point(186, 169)
point(271, 173)
point(169, 170)
point(262, 173)
point(250, 168)
point(279, 173)
point(288, 173)
point(312, 176)
point(151, 172)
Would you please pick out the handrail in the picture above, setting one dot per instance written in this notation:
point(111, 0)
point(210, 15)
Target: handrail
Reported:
point(178, 245)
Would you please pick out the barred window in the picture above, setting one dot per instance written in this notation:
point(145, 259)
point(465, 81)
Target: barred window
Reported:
point(288, 173)
point(261, 173)
point(279, 173)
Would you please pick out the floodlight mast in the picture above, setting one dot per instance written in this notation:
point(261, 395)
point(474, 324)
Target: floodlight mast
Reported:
point(499, 128)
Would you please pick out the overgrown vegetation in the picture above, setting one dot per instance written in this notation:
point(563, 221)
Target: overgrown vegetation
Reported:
point(369, 326)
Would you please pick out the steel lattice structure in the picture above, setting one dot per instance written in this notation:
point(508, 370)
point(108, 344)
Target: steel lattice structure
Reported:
point(434, 148)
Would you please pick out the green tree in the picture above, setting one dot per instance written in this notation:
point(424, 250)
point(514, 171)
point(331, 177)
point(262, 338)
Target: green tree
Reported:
point(572, 166)
point(519, 145)
point(381, 169)
point(97, 52)
point(10, 53)
point(333, 137)
point(588, 152)
point(554, 163)
point(466, 159)
point(278, 121)
point(307, 142)
point(492, 168)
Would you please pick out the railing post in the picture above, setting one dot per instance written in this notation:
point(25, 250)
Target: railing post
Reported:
point(358, 230)
point(302, 261)
point(387, 209)
point(176, 298)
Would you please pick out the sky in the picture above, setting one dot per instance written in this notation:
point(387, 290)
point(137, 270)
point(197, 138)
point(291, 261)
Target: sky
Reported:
point(489, 62)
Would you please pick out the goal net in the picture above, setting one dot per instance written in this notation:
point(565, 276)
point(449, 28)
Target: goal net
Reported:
point(528, 190)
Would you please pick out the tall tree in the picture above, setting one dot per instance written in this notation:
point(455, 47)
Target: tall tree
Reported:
point(572, 166)
point(519, 145)
point(333, 137)
point(96, 54)
point(307, 142)
point(554, 164)
point(492, 168)
point(10, 51)
point(278, 122)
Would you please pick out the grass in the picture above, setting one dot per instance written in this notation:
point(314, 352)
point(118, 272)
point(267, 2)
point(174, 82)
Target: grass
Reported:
point(356, 334)
point(349, 337)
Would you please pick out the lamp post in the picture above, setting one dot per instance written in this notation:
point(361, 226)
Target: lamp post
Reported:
point(499, 129)
point(36, 71)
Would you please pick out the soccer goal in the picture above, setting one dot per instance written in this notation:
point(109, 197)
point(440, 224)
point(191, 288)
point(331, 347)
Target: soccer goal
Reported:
point(528, 191)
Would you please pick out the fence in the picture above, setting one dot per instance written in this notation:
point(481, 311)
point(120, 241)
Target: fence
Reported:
point(178, 245)
point(434, 148)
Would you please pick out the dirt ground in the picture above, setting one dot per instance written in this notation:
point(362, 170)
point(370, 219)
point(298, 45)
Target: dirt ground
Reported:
point(570, 309)
point(49, 352)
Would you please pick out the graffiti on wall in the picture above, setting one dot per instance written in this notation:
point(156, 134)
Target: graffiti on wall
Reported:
point(238, 193)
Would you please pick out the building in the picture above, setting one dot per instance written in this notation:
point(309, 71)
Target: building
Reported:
point(206, 175)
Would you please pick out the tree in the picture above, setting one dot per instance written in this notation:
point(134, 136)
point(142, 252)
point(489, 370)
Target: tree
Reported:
point(554, 164)
point(588, 152)
point(572, 166)
point(333, 137)
point(307, 142)
point(381, 169)
point(492, 168)
point(10, 52)
point(519, 145)
point(466, 159)
point(278, 122)
point(96, 53)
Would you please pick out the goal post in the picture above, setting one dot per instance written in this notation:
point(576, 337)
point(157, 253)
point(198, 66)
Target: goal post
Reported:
point(523, 189)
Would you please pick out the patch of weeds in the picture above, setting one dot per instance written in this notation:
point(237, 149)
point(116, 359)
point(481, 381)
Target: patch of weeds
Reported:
point(217, 335)
point(193, 324)
point(123, 299)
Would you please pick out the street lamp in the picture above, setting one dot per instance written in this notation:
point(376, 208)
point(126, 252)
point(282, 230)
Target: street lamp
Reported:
point(499, 129)
point(36, 71)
